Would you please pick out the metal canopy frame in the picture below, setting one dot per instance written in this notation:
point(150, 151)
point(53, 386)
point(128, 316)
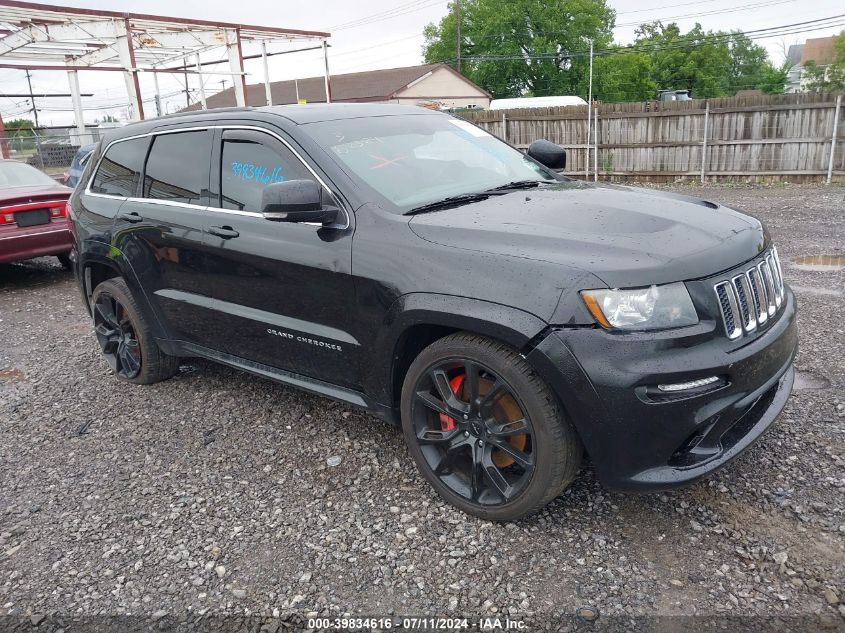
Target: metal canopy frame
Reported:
point(49, 37)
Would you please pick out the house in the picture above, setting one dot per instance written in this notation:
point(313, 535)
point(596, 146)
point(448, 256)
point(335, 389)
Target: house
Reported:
point(793, 77)
point(821, 50)
point(436, 85)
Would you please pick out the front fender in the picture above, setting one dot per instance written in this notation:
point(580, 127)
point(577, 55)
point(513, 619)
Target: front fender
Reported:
point(510, 325)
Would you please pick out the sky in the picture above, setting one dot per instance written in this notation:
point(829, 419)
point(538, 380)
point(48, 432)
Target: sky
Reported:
point(366, 35)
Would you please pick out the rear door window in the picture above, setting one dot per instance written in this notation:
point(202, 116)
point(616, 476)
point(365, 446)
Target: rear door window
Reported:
point(178, 167)
point(120, 169)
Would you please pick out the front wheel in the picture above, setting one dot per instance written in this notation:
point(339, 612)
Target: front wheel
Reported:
point(485, 431)
point(125, 338)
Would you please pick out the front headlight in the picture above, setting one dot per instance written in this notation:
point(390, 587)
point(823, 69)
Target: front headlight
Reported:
point(652, 308)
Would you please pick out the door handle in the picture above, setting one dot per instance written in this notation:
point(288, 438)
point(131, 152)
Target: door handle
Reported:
point(226, 232)
point(131, 217)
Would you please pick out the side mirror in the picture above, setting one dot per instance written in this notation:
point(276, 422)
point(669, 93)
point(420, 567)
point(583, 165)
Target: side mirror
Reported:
point(295, 201)
point(547, 153)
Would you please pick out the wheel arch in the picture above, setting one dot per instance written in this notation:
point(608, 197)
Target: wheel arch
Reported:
point(416, 320)
point(93, 273)
point(98, 264)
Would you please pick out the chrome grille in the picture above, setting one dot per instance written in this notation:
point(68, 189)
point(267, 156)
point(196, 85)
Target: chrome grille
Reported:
point(744, 299)
point(751, 298)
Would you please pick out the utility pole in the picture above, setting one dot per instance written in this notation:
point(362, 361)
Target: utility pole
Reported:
point(589, 107)
point(32, 98)
point(187, 87)
point(458, 31)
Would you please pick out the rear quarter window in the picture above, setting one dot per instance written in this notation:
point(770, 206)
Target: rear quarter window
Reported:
point(119, 171)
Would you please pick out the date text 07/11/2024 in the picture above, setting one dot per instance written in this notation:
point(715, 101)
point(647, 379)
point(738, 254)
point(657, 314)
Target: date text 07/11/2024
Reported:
point(419, 623)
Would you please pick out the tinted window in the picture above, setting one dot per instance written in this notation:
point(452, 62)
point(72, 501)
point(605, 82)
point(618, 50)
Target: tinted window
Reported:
point(177, 168)
point(120, 168)
point(411, 160)
point(248, 166)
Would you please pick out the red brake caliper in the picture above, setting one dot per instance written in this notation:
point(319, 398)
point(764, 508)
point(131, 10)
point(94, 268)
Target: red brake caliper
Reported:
point(447, 423)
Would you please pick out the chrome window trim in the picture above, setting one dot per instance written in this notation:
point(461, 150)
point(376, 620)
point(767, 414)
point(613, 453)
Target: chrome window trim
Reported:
point(201, 128)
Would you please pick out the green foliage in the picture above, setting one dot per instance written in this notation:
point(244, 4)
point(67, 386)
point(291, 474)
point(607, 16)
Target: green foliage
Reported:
point(828, 78)
point(685, 61)
point(622, 75)
point(532, 40)
point(518, 48)
point(19, 127)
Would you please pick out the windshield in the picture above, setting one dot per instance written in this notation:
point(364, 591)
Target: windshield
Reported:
point(413, 160)
point(14, 174)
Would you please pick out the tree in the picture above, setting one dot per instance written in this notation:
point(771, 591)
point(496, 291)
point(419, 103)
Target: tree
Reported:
point(522, 47)
point(622, 74)
point(750, 67)
point(19, 127)
point(827, 78)
point(773, 78)
point(693, 61)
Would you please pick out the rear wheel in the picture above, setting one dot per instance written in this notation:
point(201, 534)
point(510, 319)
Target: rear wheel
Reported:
point(485, 430)
point(125, 338)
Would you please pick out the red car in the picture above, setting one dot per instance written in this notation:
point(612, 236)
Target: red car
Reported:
point(33, 217)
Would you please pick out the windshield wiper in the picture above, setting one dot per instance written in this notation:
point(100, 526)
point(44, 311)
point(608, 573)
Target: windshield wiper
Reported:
point(451, 201)
point(518, 184)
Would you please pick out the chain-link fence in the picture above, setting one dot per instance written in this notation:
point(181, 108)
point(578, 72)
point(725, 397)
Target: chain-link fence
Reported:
point(49, 149)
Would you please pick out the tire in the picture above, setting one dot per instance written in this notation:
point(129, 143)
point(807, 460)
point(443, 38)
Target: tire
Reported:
point(125, 337)
point(64, 260)
point(535, 449)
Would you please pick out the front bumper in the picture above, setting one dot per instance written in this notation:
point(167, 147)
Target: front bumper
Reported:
point(641, 441)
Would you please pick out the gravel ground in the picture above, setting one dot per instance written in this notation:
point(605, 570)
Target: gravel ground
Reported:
point(210, 496)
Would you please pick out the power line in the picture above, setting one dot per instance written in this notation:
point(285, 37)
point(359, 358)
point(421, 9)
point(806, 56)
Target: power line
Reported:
point(417, 5)
point(746, 7)
point(775, 31)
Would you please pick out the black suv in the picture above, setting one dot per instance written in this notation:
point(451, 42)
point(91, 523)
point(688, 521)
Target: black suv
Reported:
point(408, 262)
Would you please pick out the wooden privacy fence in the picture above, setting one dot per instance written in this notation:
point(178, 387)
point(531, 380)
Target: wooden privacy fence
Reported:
point(797, 137)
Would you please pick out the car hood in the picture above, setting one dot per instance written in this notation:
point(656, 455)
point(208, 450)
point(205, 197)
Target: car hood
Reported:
point(626, 236)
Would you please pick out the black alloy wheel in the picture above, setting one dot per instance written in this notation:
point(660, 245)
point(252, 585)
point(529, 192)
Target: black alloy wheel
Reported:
point(117, 336)
point(125, 337)
point(473, 432)
point(485, 430)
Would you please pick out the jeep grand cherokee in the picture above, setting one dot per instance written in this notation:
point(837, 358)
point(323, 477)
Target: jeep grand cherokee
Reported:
point(409, 263)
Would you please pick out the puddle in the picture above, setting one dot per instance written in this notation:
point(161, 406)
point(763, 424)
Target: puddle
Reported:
point(819, 263)
point(806, 380)
point(11, 375)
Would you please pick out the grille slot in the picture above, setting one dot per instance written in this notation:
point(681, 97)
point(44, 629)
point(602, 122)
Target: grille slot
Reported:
point(748, 300)
point(744, 299)
point(757, 293)
point(777, 280)
point(730, 309)
point(766, 276)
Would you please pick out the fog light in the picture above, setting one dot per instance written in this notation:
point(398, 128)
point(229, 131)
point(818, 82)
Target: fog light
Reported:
point(692, 384)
